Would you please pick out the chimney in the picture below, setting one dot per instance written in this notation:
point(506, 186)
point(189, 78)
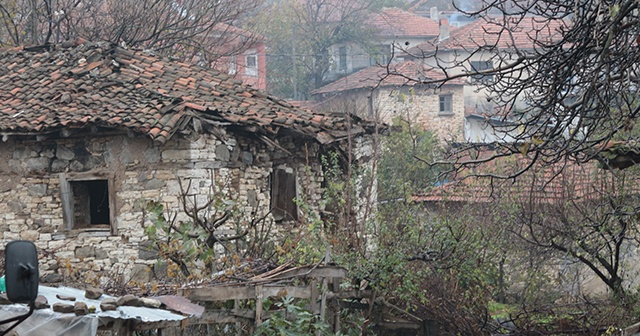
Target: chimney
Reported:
point(434, 13)
point(444, 29)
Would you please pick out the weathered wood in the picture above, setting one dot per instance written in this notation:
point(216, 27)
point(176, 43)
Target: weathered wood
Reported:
point(112, 205)
point(259, 296)
point(298, 292)
point(312, 272)
point(631, 330)
point(223, 316)
point(352, 294)
point(325, 289)
point(399, 325)
point(67, 201)
point(139, 325)
point(208, 294)
point(283, 191)
point(335, 286)
point(276, 270)
point(236, 309)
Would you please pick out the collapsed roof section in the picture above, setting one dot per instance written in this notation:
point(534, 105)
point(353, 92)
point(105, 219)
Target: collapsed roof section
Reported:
point(82, 85)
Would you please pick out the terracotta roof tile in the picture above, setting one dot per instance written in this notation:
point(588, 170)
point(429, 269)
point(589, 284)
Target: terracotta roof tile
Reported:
point(395, 22)
point(497, 32)
point(545, 183)
point(122, 88)
point(406, 73)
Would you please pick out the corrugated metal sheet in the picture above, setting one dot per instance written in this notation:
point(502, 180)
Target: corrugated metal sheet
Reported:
point(125, 312)
point(48, 322)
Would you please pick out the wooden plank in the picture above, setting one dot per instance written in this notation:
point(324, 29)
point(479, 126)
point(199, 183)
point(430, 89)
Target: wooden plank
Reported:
point(399, 325)
point(631, 330)
point(315, 294)
point(112, 205)
point(313, 272)
point(335, 287)
point(259, 296)
point(293, 291)
point(67, 201)
point(223, 316)
point(236, 310)
point(325, 289)
point(352, 294)
point(207, 294)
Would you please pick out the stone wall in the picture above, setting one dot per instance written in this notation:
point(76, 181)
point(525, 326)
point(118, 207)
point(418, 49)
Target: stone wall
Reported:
point(31, 201)
point(421, 106)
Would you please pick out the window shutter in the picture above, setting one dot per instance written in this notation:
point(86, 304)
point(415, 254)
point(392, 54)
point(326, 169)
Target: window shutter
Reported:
point(283, 192)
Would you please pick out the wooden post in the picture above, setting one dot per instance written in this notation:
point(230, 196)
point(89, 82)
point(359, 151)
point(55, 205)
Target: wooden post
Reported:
point(336, 318)
point(258, 305)
point(325, 288)
point(236, 307)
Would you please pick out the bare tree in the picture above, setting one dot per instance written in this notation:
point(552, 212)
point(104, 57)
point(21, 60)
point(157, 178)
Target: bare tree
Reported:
point(302, 35)
point(564, 75)
point(184, 28)
point(585, 217)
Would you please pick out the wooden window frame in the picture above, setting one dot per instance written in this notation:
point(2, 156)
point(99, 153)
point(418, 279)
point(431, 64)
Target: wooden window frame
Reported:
point(68, 203)
point(233, 65)
point(478, 66)
point(251, 70)
point(342, 58)
point(282, 208)
point(442, 108)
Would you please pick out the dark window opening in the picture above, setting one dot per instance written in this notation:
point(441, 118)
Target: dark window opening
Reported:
point(283, 193)
point(90, 203)
point(480, 66)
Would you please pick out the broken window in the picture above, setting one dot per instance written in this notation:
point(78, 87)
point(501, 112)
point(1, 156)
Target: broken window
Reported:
point(87, 201)
point(283, 193)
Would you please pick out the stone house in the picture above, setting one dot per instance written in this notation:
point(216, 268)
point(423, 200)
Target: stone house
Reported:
point(385, 93)
point(482, 46)
point(394, 30)
point(92, 131)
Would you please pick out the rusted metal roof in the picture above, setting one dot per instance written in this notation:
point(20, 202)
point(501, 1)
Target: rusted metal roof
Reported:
point(180, 305)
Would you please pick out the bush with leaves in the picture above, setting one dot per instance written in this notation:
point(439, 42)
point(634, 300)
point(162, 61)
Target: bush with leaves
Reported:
point(188, 245)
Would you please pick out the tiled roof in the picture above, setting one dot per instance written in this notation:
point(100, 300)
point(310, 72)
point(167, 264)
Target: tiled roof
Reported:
point(83, 84)
point(396, 22)
point(406, 73)
point(496, 32)
point(544, 183)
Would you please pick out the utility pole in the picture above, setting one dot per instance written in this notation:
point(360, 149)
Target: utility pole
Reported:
point(294, 80)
